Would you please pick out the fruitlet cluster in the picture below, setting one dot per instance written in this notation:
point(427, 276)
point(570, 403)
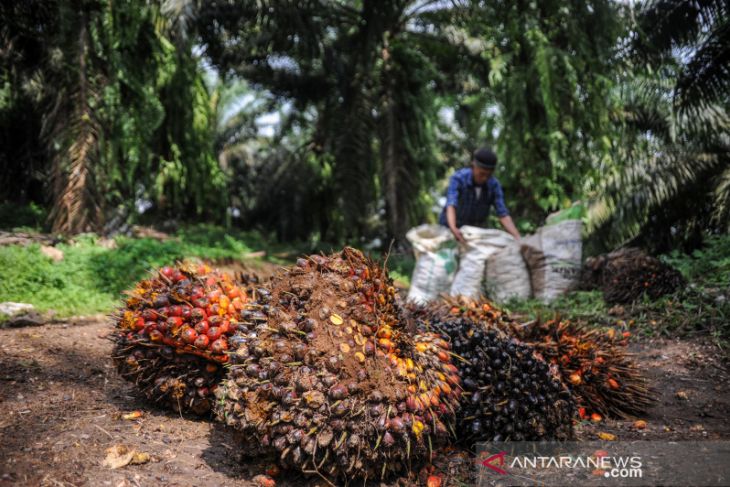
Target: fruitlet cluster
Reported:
point(324, 374)
point(173, 332)
point(602, 375)
point(508, 392)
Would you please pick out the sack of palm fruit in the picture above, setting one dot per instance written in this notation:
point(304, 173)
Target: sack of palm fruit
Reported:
point(509, 393)
point(594, 364)
point(171, 336)
point(324, 374)
point(627, 275)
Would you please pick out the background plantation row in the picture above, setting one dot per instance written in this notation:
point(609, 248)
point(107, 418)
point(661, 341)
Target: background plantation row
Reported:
point(91, 277)
point(340, 121)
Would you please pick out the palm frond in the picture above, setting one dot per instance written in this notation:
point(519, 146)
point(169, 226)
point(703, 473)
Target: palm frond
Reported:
point(705, 79)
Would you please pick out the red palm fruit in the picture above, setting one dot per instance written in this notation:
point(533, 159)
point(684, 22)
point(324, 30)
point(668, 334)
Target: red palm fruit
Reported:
point(149, 314)
point(234, 292)
point(225, 327)
point(155, 335)
point(215, 320)
point(213, 309)
point(214, 295)
point(219, 346)
point(186, 312)
point(189, 335)
point(202, 341)
point(214, 333)
point(177, 276)
point(162, 326)
point(202, 327)
point(138, 323)
point(163, 312)
point(201, 303)
point(237, 304)
point(210, 281)
point(151, 325)
point(198, 314)
point(168, 272)
point(223, 302)
point(174, 322)
point(176, 310)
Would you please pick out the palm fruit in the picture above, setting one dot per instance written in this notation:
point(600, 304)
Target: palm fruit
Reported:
point(508, 392)
point(171, 336)
point(627, 275)
point(324, 374)
point(603, 377)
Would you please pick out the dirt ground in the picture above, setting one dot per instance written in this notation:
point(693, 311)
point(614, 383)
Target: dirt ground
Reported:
point(64, 405)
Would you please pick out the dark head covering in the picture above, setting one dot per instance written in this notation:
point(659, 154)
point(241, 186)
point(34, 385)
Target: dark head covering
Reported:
point(485, 158)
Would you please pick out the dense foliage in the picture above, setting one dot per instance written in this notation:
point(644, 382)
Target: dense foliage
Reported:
point(152, 111)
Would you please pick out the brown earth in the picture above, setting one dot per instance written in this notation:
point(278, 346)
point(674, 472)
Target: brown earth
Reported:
point(64, 405)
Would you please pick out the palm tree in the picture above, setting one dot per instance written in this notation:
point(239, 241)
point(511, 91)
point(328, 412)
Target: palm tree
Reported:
point(675, 184)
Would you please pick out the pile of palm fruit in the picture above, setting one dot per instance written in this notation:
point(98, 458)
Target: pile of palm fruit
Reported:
point(172, 335)
point(326, 375)
point(325, 368)
point(594, 364)
point(628, 274)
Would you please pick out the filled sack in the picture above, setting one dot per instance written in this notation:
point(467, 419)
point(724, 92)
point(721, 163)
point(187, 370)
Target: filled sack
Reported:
point(436, 261)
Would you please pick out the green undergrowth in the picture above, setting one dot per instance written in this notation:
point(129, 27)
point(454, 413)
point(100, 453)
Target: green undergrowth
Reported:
point(91, 276)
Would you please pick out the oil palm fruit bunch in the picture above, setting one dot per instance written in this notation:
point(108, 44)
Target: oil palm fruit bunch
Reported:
point(628, 274)
point(508, 392)
point(323, 373)
point(594, 364)
point(602, 375)
point(172, 333)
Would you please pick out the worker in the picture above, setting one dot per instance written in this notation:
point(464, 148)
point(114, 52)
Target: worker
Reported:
point(472, 191)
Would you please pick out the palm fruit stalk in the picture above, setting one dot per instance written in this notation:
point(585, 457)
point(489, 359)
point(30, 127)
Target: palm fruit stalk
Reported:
point(326, 376)
point(171, 336)
point(595, 365)
point(603, 376)
point(508, 392)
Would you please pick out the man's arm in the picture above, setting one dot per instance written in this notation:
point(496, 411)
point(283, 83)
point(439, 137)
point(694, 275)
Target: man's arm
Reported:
point(452, 199)
point(451, 221)
point(502, 212)
point(510, 227)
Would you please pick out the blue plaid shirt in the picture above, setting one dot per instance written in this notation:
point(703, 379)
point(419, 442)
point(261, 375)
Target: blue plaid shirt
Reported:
point(470, 208)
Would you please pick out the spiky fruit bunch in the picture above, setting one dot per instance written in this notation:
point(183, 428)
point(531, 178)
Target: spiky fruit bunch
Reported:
point(326, 375)
point(603, 376)
point(508, 392)
point(594, 364)
point(627, 275)
point(172, 335)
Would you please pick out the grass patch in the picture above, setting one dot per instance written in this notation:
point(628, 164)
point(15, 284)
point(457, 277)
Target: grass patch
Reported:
point(91, 278)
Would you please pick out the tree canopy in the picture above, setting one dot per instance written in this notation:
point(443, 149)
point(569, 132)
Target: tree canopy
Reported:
point(114, 113)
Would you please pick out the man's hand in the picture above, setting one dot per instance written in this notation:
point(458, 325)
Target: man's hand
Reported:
point(451, 220)
point(458, 236)
point(510, 227)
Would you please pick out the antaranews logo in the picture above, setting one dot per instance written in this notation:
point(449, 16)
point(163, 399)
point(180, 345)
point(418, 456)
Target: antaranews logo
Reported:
point(600, 462)
point(495, 462)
